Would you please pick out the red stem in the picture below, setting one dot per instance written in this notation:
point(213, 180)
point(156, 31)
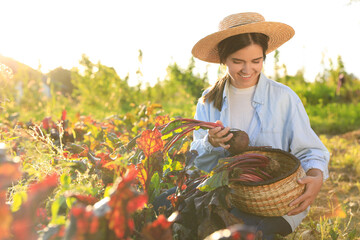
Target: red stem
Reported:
point(247, 177)
point(177, 137)
point(185, 124)
point(247, 155)
point(251, 162)
point(189, 125)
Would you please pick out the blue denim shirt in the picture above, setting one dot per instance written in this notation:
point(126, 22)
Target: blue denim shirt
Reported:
point(279, 121)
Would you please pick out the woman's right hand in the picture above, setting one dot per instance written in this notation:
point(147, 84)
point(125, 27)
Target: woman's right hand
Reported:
point(219, 136)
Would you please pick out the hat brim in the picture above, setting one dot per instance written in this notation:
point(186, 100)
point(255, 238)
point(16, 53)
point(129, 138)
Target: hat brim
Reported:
point(279, 33)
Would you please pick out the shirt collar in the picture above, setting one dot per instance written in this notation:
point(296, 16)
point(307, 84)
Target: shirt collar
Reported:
point(260, 92)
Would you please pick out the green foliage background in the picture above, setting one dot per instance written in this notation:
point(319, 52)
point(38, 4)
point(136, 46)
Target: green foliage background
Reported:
point(97, 90)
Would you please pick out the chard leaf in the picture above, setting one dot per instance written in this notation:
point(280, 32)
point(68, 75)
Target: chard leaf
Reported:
point(172, 125)
point(154, 186)
point(169, 135)
point(216, 180)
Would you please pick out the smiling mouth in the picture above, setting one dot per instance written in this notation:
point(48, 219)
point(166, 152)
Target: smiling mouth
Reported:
point(245, 76)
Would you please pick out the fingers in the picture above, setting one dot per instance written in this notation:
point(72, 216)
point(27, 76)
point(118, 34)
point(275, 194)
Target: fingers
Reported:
point(302, 207)
point(227, 137)
point(223, 145)
point(218, 132)
point(301, 202)
point(312, 188)
point(219, 136)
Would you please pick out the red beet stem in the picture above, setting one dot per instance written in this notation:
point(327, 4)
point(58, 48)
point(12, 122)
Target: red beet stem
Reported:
point(244, 160)
point(247, 178)
point(248, 162)
point(187, 125)
point(187, 122)
point(258, 172)
point(246, 156)
point(177, 137)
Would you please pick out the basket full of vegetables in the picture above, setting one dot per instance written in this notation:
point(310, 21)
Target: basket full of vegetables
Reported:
point(262, 180)
point(267, 184)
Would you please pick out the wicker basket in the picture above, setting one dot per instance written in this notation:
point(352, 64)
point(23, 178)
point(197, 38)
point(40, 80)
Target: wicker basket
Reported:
point(272, 197)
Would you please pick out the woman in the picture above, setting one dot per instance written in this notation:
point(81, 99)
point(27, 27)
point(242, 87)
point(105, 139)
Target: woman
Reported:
point(271, 113)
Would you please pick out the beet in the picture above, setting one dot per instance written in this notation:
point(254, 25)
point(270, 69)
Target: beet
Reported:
point(239, 141)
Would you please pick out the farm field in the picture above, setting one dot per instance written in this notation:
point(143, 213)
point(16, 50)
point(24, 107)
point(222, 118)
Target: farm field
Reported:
point(68, 167)
point(87, 159)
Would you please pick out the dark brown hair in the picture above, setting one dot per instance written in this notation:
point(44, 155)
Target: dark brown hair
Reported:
point(225, 48)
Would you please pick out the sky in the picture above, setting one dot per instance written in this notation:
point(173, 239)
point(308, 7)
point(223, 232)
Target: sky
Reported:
point(53, 33)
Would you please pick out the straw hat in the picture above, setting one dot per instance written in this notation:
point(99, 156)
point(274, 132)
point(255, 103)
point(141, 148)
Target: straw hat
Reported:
point(278, 33)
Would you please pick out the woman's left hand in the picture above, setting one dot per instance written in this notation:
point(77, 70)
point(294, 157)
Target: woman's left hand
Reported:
point(313, 182)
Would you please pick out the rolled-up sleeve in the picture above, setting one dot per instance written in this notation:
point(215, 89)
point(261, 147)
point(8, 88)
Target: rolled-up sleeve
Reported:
point(305, 144)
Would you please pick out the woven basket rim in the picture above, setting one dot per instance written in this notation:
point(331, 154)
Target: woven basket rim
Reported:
point(275, 179)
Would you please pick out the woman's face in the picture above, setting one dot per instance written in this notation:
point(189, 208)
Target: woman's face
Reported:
point(244, 66)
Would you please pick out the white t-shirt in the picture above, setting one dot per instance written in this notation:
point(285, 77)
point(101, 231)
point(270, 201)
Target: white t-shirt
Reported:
point(241, 108)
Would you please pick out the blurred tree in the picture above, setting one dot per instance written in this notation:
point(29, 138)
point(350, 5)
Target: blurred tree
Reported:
point(27, 92)
point(7, 86)
point(100, 88)
point(293, 81)
point(186, 78)
point(330, 75)
point(30, 87)
point(276, 65)
point(60, 81)
point(179, 91)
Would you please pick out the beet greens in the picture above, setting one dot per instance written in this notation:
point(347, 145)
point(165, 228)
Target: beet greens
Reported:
point(176, 129)
point(247, 167)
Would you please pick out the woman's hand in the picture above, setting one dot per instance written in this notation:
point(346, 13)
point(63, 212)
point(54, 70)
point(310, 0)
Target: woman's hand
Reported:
point(313, 182)
point(218, 136)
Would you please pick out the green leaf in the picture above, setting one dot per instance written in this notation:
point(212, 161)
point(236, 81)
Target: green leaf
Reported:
point(170, 127)
point(107, 191)
point(216, 180)
point(55, 207)
point(70, 201)
point(60, 220)
point(169, 135)
point(154, 186)
point(18, 200)
point(65, 181)
point(167, 165)
point(155, 181)
point(176, 166)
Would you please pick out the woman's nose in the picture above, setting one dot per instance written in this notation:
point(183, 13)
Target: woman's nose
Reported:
point(245, 68)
